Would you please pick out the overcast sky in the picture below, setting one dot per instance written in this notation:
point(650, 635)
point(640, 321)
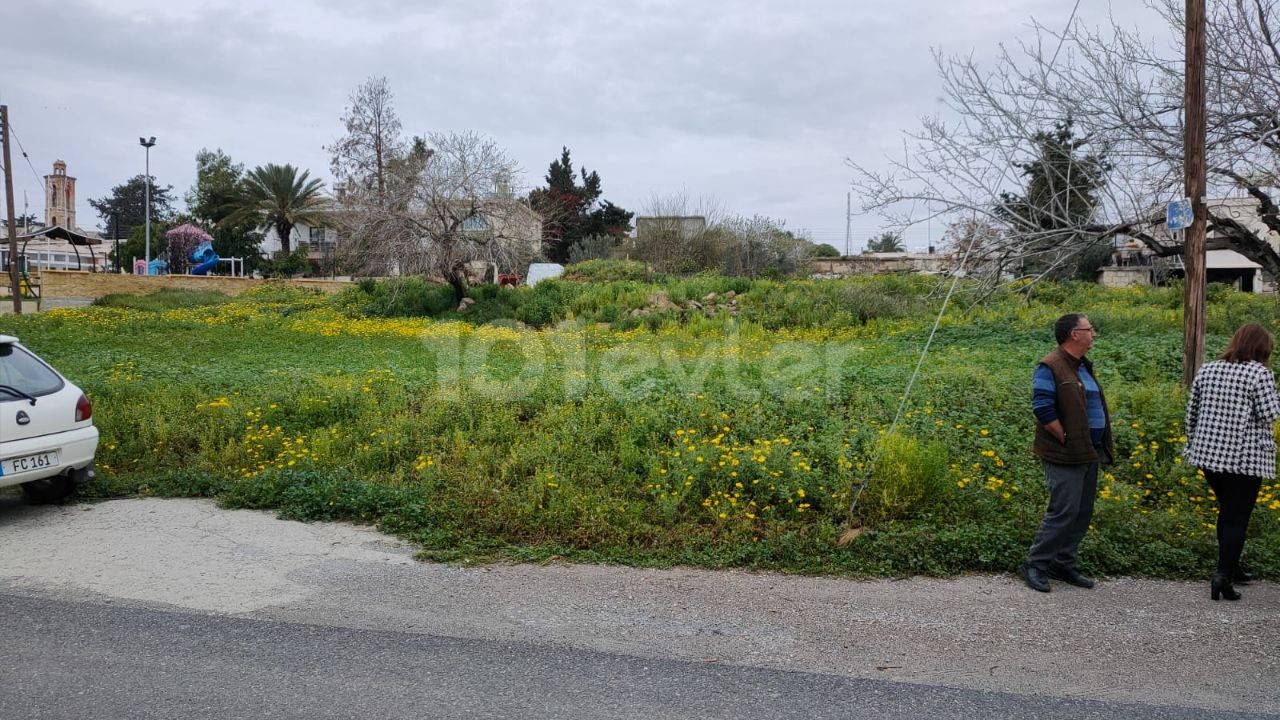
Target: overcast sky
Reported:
point(755, 103)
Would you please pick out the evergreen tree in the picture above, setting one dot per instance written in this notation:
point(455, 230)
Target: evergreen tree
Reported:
point(1061, 195)
point(570, 212)
point(125, 207)
point(213, 198)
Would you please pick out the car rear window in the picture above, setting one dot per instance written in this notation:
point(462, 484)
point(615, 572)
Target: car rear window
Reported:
point(22, 370)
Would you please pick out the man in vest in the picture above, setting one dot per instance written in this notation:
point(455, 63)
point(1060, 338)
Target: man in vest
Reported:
point(1073, 435)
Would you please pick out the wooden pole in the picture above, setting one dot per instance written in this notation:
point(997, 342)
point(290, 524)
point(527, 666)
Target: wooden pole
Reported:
point(15, 278)
point(1193, 312)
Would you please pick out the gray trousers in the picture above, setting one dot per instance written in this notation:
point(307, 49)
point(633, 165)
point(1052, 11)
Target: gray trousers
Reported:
point(1072, 489)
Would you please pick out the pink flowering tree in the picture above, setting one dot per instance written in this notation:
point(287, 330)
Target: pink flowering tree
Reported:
point(182, 240)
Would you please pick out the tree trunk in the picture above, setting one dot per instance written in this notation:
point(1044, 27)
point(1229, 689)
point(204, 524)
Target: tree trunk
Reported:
point(284, 231)
point(458, 281)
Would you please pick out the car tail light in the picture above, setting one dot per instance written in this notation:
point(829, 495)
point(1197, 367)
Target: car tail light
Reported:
point(84, 410)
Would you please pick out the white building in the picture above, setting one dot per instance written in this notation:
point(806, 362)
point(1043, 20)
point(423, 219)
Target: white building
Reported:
point(320, 240)
point(1221, 266)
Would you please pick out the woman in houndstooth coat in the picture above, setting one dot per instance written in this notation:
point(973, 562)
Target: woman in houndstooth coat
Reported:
point(1229, 438)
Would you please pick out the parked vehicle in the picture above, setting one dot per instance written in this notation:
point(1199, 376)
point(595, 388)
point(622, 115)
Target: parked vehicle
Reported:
point(47, 437)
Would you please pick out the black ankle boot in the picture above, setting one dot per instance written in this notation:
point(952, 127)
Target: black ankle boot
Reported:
point(1221, 585)
point(1241, 576)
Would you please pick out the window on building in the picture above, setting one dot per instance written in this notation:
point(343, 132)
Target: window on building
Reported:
point(317, 235)
point(475, 223)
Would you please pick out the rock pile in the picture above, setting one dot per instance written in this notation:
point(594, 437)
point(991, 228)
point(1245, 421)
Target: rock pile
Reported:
point(711, 304)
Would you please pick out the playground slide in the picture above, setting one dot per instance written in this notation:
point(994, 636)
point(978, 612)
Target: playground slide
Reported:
point(206, 257)
point(204, 267)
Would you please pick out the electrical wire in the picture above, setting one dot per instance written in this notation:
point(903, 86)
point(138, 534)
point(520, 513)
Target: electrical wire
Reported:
point(906, 395)
point(14, 135)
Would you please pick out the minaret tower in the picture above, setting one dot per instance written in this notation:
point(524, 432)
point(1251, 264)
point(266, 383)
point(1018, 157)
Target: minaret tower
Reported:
point(60, 198)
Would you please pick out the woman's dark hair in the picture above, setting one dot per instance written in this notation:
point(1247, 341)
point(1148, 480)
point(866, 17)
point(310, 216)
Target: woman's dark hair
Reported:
point(1251, 342)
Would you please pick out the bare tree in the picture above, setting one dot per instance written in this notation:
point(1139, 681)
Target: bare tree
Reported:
point(677, 234)
point(448, 202)
point(593, 247)
point(760, 244)
point(1124, 94)
point(361, 157)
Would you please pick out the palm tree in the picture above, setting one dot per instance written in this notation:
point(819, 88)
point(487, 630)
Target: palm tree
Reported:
point(277, 197)
point(886, 243)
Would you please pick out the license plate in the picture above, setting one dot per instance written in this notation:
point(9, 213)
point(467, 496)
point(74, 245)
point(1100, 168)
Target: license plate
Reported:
point(25, 463)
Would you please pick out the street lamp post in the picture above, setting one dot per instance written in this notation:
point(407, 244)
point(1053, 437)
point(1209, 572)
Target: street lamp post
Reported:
point(148, 143)
point(115, 235)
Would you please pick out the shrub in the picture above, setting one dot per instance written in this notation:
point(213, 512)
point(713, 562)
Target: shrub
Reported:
point(909, 477)
point(593, 247)
point(295, 263)
point(493, 302)
point(604, 271)
point(545, 303)
point(409, 297)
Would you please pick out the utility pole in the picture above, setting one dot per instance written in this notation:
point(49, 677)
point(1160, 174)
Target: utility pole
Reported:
point(15, 279)
point(1193, 312)
point(848, 229)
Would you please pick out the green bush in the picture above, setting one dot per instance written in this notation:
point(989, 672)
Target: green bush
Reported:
point(546, 303)
point(608, 290)
point(909, 479)
point(604, 271)
point(408, 297)
point(287, 266)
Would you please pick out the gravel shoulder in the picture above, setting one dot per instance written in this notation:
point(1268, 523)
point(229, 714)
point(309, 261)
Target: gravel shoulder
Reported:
point(1129, 640)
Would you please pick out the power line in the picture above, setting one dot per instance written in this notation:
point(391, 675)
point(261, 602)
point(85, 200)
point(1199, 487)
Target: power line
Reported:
point(855, 528)
point(25, 156)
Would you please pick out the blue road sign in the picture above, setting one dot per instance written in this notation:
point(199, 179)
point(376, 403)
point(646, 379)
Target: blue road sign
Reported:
point(1179, 215)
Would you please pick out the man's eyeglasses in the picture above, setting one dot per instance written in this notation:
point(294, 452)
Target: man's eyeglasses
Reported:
point(1085, 329)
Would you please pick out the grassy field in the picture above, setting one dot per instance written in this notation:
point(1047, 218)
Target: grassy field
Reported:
point(620, 422)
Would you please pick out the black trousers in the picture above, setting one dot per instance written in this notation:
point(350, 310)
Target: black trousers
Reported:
point(1237, 495)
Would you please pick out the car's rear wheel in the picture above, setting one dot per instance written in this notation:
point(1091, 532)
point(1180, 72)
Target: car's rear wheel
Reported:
point(56, 488)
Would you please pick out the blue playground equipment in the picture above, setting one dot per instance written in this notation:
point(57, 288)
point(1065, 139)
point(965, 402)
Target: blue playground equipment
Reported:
point(204, 257)
point(158, 267)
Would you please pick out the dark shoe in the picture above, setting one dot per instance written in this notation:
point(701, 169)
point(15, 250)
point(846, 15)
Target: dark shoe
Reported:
point(1242, 576)
point(1221, 585)
point(1070, 576)
point(1035, 578)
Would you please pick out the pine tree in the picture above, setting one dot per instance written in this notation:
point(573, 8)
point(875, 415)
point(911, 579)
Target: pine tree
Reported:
point(570, 212)
point(1061, 195)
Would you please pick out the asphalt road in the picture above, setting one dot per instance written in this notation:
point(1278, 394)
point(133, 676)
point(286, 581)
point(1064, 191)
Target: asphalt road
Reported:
point(89, 661)
point(177, 609)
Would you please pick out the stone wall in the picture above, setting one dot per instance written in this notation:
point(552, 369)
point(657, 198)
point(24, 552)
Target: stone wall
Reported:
point(28, 306)
point(59, 286)
point(880, 263)
point(1125, 276)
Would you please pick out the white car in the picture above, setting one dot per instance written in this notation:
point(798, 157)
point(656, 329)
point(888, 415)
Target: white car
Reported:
point(47, 437)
